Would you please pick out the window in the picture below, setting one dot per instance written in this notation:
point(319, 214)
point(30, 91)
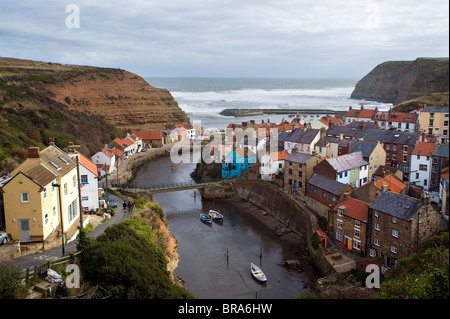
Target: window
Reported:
point(377, 226)
point(395, 233)
point(74, 181)
point(431, 123)
point(84, 198)
point(290, 181)
point(46, 218)
point(372, 252)
point(45, 192)
point(315, 190)
point(393, 249)
point(25, 198)
point(340, 224)
point(340, 212)
point(300, 174)
point(357, 232)
point(425, 182)
point(84, 178)
point(65, 188)
point(394, 220)
point(54, 211)
point(324, 195)
point(375, 214)
point(290, 171)
point(339, 236)
point(55, 165)
point(356, 244)
point(63, 159)
point(376, 242)
point(357, 223)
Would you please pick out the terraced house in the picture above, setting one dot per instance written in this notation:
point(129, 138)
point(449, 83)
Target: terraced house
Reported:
point(351, 169)
point(31, 200)
point(397, 225)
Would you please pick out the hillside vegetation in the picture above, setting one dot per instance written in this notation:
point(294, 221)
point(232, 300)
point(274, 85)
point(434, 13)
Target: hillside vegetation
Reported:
point(87, 105)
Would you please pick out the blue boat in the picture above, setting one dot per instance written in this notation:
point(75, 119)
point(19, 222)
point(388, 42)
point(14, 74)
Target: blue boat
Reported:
point(205, 218)
point(215, 215)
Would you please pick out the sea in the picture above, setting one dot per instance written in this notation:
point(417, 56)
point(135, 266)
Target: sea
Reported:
point(202, 99)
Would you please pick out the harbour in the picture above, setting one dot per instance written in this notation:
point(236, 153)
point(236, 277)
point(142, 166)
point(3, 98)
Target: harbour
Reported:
point(215, 257)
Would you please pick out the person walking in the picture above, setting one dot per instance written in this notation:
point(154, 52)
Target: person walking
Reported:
point(124, 206)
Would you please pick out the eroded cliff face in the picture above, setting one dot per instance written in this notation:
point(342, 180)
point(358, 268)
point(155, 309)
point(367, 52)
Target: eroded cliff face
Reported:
point(399, 81)
point(125, 99)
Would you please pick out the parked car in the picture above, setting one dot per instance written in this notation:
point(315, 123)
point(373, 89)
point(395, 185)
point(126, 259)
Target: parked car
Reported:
point(3, 238)
point(112, 202)
point(144, 149)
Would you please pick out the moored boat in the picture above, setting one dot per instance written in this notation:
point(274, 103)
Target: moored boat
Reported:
point(205, 218)
point(257, 273)
point(215, 215)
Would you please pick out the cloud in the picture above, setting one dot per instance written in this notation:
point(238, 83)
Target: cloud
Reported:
point(229, 37)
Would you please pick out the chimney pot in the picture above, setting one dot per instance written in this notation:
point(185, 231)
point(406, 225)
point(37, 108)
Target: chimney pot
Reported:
point(33, 152)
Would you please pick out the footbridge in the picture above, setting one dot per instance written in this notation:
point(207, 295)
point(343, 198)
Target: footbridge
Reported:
point(170, 187)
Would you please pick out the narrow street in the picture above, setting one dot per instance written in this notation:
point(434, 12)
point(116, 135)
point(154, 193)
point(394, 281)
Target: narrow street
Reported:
point(55, 253)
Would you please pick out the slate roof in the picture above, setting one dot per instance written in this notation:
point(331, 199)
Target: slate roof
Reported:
point(435, 109)
point(402, 138)
point(397, 205)
point(295, 135)
point(329, 185)
point(345, 130)
point(442, 151)
point(348, 161)
point(303, 136)
point(298, 158)
point(366, 148)
point(330, 139)
point(309, 135)
point(373, 135)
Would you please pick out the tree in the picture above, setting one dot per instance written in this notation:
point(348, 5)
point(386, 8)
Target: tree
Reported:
point(10, 281)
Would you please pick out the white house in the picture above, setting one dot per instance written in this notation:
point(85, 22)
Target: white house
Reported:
point(105, 161)
point(404, 122)
point(88, 182)
point(272, 164)
point(421, 162)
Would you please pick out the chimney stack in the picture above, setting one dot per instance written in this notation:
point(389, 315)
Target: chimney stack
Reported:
point(384, 187)
point(33, 152)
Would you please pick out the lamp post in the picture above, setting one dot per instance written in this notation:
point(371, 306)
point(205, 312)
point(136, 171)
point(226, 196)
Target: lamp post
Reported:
point(60, 216)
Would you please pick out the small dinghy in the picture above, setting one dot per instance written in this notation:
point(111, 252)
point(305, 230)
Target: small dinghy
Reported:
point(257, 273)
point(205, 218)
point(215, 215)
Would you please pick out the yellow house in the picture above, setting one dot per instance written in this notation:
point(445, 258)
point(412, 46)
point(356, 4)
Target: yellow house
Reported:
point(434, 120)
point(372, 152)
point(32, 197)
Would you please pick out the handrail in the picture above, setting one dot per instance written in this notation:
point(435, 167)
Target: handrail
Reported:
point(169, 186)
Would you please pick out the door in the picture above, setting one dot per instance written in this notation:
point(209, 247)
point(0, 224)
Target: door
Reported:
point(24, 225)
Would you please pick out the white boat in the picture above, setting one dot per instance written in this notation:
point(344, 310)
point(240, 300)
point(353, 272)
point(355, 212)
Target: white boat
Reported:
point(257, 273)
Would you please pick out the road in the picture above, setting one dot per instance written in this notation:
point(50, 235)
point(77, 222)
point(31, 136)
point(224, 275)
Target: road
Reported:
point(54, 253)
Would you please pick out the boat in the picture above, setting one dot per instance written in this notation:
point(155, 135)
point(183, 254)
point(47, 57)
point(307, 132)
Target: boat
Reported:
point(205, 218)
point(257, 273)
point(215, 215)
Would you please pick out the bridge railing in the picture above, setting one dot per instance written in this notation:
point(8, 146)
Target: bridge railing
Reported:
point(164, 186)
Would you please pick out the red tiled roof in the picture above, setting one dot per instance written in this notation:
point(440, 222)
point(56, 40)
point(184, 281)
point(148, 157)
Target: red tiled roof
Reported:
point(424, 149)
point(88, 164)
point(148, 135)
point(355, 209)
point(402, 117)
point(394, 184)
point(277, 156)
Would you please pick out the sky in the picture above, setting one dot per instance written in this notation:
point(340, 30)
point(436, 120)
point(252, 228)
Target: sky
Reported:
point(227, 38)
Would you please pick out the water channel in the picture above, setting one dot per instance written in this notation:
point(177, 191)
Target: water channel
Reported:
point(215, 258)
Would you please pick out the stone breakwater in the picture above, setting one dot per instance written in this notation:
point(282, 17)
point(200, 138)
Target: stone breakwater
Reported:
point(251, 112)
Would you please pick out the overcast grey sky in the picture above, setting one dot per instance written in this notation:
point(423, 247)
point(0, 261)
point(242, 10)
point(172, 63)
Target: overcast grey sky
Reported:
point(232, 38)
